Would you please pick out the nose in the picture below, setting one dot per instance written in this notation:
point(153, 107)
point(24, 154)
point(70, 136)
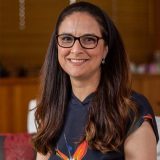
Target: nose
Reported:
point(76, 46)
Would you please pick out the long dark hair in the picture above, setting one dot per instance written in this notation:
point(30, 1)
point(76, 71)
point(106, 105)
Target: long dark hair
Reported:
point(110, 108)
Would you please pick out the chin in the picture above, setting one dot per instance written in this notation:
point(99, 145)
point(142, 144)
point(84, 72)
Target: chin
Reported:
point(76, 76)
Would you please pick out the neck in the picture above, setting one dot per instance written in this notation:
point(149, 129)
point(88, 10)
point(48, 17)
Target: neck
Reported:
point(82, 88)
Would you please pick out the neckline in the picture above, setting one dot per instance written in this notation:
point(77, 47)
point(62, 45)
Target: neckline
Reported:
point(87, 100)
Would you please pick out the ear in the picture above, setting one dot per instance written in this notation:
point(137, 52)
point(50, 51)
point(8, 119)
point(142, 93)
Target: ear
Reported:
point(105, 52)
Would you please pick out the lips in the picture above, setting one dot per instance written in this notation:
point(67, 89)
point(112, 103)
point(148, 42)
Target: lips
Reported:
point(77, 61)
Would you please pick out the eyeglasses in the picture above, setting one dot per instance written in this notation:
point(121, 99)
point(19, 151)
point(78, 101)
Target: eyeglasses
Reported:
point(87, 41)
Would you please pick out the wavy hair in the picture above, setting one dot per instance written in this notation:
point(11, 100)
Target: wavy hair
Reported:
point(110, 109)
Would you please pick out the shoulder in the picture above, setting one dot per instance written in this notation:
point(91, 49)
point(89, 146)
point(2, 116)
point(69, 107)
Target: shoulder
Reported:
point(141, 144)
point(142, 134)
point(145, 112)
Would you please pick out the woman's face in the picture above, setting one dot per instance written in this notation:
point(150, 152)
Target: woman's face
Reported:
point(76, 61)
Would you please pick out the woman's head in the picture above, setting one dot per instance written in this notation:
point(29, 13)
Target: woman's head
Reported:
point(114, 54)
point(81, 47)
point(79, 60)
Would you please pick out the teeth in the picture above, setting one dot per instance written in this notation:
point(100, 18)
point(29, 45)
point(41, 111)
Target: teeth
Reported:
point(77, 60)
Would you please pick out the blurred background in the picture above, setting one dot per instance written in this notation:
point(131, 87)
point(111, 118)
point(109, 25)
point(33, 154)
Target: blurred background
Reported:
point(25, 31)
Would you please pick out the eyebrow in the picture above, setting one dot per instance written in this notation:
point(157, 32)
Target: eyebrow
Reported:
point(86, 34)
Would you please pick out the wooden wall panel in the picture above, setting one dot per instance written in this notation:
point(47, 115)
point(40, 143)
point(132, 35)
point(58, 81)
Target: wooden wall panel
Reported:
point(22, 95)
point(15, 95)
point(157, 27)
point(5, 108)
point(27, 47)
point(149, 86)
point(136, 25)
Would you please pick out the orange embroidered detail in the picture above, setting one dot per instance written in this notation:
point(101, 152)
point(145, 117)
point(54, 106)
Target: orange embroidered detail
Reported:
point(81, 151)
point(78, 154)
point(61, 155)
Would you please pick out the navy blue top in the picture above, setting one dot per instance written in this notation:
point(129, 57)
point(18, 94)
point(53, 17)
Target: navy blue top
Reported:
point(68, 146)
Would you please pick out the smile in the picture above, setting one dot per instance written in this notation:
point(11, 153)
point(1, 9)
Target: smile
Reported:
point(77, 60)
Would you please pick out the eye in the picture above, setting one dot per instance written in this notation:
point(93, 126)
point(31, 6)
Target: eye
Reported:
point(66, 38)
point(89, 39)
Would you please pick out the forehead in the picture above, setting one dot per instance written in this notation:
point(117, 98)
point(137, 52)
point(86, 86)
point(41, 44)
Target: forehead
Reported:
point(79, 23)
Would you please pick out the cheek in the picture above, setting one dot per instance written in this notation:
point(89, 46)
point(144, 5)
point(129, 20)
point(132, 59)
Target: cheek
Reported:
point(62, 54)
point(99, 54)
point(63, 51)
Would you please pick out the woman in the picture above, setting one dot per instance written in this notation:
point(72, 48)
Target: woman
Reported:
point(87, 109)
